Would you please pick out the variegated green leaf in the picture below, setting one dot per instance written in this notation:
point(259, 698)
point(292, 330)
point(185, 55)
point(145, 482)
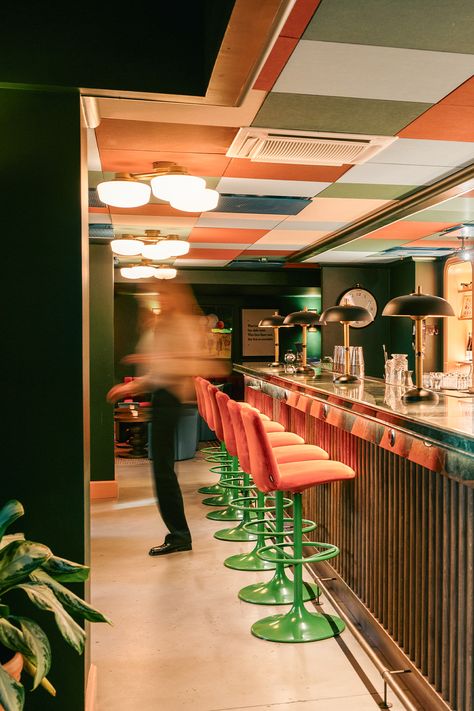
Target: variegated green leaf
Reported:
point(12, 694)
point(11, 537)
point(18, 559)
point(13, 638)
point(39, 645)
point(9, 513)
point(65, 570)
point(73, 603)
point(30, 668)
point(44, 598)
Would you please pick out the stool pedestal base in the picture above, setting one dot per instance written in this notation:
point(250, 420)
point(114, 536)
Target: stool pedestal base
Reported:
point(280, 590)
point(248, 561)
point(298, 625)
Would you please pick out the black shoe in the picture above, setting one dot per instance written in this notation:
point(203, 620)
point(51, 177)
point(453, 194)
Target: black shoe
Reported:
point(166, 548)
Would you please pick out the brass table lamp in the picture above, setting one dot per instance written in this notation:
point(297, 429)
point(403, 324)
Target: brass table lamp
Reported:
point(418, 306)
point(305, 319)
point(276, 322)
point(345, 314)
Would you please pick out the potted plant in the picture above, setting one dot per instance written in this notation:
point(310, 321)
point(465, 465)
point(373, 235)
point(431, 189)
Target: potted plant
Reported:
point(32, 569)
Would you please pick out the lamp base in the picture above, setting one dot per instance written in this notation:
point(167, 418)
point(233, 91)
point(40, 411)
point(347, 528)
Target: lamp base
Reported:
point(305, 370)
point(274, 365)
point(420, 395)
point(346, 379)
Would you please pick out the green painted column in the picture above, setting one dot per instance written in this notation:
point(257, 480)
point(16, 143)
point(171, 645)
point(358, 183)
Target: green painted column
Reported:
point(101, 361)
point(44, 341)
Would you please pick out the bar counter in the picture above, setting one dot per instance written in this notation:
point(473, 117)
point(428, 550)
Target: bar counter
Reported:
point(404, 526)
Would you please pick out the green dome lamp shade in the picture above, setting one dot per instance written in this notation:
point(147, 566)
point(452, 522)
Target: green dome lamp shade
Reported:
point(305, 319)
point(345, 314)
point(418, 306)
point(276, 322)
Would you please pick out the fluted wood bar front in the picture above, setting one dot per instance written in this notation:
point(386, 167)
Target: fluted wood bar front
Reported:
point(405, 525)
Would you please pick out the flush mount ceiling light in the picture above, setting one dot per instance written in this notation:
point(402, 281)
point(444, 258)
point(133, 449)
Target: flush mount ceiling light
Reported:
point(141, 271)
point(152, 245)
point(169, 182)
point(127, 245)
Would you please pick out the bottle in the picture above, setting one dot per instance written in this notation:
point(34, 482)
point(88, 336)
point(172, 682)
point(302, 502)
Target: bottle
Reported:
point(469, 348)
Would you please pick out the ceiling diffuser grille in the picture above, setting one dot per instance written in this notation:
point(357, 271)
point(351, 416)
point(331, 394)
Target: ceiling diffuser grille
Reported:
point(306, 148)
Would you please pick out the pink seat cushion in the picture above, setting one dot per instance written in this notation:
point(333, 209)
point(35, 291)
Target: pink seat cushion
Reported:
point(298, 476)
point(299, 453)
point(270, 426)
point(282, 439)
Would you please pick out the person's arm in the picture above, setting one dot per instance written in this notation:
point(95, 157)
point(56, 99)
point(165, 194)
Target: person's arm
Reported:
point(133, 387)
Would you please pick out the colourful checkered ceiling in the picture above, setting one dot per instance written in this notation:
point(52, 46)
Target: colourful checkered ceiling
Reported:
point(377, 67)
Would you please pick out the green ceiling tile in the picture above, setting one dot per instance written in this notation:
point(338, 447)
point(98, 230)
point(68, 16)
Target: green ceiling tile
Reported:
point(425, 24)
point(370, 245)
point(96, 177)
point(211, 183)
point(337, 114)
point(366, 191)
point(440, 216)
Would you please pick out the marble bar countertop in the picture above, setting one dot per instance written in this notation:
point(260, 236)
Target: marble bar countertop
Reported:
point(449, 423)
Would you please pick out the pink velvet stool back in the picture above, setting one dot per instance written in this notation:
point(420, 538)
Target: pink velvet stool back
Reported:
point(263, 465)
point(235, 408)
point(229, 437)
point(216, 416)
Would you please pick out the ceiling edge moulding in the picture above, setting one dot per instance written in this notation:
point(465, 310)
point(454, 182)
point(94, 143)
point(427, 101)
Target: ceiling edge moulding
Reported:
point(451, 186)
point(241, 56)
point(168, 181)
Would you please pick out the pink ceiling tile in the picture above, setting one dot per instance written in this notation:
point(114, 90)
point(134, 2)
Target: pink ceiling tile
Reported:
point(213, 253)
point(443, 122)
point(224, 235)
point(337, 209)
point(244, 168)
point(405, 230)
point(131, 161)
point(290, 237)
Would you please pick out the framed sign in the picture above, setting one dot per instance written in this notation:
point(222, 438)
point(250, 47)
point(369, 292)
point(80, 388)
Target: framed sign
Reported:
point(256, 341)
point(466, 306)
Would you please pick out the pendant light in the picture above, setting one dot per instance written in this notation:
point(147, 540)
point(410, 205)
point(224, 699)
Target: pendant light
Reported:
point(164, 272)
point(127, 246)
point(124, 191)
point(200, 201)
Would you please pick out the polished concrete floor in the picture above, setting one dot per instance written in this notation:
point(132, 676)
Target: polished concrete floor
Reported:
point(181, 638)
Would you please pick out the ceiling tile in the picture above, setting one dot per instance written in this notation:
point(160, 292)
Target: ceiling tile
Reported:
point(252, 186)
point(370, 72)
point(148, 136)
point(292, 238)
point(155, 209)
point(267, 251)
point(464, 205)
point(151, 221)
point(244, 168)
point(369, 191)
point(299, 17)
point(424, 24)
point(336, 114)
point(137, 230)
point(333, 257)
point(200, 262)
point(406, 230)
point(392, 173)
point(447, 217)
point(99, 218)
point(438, 243)
point(370, 245)
point(278, 57)
point(227, 254)
point(239, 220)
point(271, 205)
point(409, 151)
point(142, 161)
point(443, 123)
point(462, 96)
point(340, 209)
point(309, 225)
point(225, 236)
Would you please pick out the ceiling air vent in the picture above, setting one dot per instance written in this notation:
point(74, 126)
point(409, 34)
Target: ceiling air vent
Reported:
point(306, 147)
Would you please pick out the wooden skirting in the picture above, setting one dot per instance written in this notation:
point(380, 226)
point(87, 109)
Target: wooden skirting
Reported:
point(104, 490)
point(91, 689)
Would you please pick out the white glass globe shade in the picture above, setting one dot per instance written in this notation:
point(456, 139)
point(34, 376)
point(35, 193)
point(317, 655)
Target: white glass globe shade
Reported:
point(165, 187)
point(124, 193)
point(143, 272)
point(156, 251)
point(129, 272)
point(165, 273)
point(201, 201)
point(177, 247)
point(127, 247)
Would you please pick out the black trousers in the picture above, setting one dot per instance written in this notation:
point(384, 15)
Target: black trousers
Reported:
point(166, 411)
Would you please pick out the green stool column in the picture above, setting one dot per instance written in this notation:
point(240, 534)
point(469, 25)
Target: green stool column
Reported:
point(238, 534)
point(299, 625)
point(230, 513)
point(214, 454)
point(251, 561)
point(280, 590)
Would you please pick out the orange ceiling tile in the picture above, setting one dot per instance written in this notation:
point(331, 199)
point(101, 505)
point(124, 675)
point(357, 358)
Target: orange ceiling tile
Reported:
point(142, 161)
point(269, 252)
point(102, 210)
point(244, 168)
point(442, 122)
point(299, 17)
point(462, 96)
point(213, 253)
point(278, 57)
point(405, 230)
point(149, 136)
point(225, 235)
point(469, 194)
point(154, 209)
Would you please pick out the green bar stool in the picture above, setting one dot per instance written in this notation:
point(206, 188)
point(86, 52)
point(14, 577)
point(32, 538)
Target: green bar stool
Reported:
point(216, 453)
point(298, 624)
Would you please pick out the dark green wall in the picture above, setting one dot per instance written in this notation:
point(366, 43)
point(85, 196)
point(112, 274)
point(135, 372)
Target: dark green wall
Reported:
point(101, 286)
point(45, 444)
point(402, 281)
point(334, 281)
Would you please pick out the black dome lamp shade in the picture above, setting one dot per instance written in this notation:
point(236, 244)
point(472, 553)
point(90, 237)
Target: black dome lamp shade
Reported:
point(276, 322)
point(305, 319)
point(419, 306)
point(345, 314)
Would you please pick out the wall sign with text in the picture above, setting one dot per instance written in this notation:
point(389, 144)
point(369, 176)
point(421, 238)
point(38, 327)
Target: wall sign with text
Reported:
point(256, 341)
